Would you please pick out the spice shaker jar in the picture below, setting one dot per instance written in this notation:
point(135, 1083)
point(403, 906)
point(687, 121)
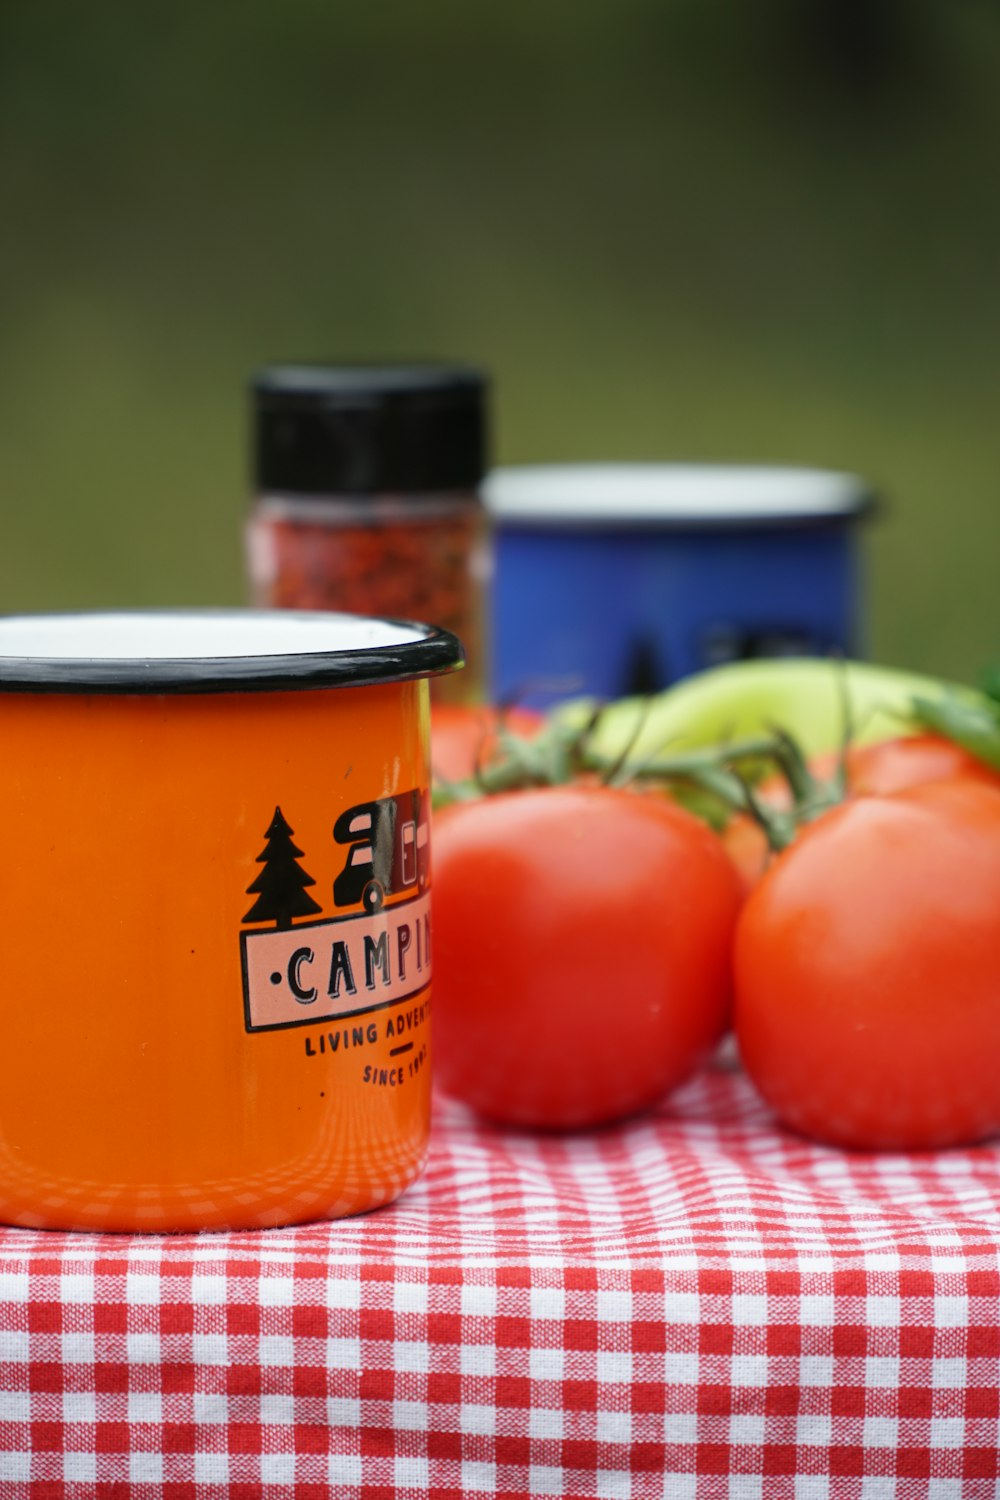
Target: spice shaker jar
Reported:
point(367, 496)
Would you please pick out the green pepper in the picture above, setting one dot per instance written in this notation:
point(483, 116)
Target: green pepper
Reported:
point(819, 702)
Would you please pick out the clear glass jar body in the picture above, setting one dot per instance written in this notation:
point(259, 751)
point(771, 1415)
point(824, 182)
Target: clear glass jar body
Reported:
point(403, 557)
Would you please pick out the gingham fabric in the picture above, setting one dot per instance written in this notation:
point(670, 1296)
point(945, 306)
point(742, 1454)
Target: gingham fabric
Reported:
point(691, 1305)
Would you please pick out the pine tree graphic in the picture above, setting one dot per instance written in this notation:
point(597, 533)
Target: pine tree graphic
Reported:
point(280, 887)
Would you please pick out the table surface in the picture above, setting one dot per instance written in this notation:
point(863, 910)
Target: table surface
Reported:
point(692, 1304)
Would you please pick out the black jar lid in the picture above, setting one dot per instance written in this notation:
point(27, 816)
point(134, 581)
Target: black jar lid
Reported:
point(369, 428)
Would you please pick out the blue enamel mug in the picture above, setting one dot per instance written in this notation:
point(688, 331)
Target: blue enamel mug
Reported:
point(611, 579)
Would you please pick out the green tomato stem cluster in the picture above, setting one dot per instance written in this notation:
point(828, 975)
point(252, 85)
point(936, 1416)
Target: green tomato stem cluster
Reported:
point(679, 738)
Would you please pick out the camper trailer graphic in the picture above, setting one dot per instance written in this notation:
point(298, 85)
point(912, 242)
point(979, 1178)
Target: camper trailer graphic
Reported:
point(301, 966)
point(389, 850)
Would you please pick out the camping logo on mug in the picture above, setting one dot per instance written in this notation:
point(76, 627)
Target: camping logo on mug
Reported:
point(297, 971)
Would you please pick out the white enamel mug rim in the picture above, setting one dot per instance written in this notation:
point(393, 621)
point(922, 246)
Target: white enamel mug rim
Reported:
point(668, 495)
point(215, 650)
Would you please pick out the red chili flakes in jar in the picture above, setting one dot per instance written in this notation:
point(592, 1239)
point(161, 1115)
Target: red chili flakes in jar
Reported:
point(368, 497)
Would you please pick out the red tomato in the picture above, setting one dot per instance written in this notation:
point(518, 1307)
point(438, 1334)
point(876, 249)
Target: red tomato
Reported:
point(881, 767)
point(867, 971)
point(581, 952)
point(911, 760)
point(746, 844)
point(463, 735)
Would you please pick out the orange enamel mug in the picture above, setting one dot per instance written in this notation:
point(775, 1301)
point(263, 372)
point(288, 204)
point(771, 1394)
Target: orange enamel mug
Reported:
point(216, 946)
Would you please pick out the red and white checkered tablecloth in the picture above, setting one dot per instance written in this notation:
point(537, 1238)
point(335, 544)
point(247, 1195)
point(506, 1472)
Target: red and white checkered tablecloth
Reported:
point(692, 1305)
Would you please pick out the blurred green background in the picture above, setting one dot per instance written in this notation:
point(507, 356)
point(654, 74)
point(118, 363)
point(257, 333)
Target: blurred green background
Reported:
point(672, 229)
